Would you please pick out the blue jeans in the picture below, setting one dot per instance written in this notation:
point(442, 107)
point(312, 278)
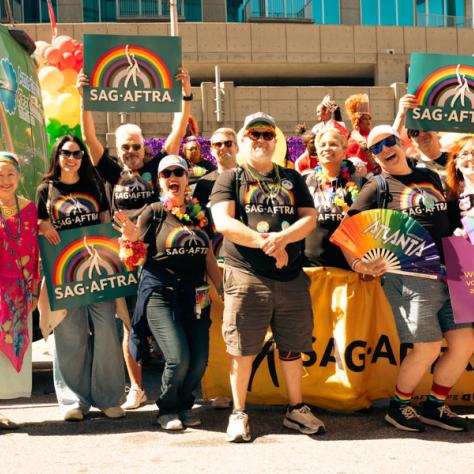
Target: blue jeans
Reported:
point(184, 340)
point(88, 371)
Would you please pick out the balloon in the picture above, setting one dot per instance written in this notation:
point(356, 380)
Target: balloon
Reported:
point(64, 43)
point(68, 61)
point(71, 90)
point(50, 78)
point(41, 46)
point(70, 120)
point(69, 77)
point(50, 108)
point(79, 55)
point(67, 105)
point(52, 55)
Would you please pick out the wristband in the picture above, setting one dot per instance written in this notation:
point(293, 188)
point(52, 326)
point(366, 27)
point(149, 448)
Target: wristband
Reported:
point(188, 97)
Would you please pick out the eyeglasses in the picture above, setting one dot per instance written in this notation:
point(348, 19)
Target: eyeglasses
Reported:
point(254, 135)
point(76, 154)
point(389, 141)
point(227, 144)
point(178, 172)
point(465, 155)
point(133, 146)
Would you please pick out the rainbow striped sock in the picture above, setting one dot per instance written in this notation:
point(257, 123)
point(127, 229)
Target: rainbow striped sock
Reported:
point(402, 397)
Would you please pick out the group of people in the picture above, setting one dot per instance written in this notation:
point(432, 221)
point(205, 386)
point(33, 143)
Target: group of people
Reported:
point(271, 222)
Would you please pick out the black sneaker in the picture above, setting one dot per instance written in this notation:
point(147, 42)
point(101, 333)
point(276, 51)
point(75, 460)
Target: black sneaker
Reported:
point(433, 413)
point(403, 416)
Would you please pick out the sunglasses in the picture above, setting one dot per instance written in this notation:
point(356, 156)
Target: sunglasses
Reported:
point(227, 144)
point(133, 146)
point(389, 141)
point(254, 135)
point(76, 154)
point(178, 172)
point(465, 155)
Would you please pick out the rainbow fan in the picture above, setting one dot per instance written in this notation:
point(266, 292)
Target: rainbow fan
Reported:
point(406, 246)
point(468, 224)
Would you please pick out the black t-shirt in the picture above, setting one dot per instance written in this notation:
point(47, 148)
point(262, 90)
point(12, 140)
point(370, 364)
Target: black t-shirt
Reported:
point(319, 251)
point(263, 212)
point(173, 246)
point(197, 171)
point(68, 206)
point(130, 191)
point(418, 194)
point(204, 186)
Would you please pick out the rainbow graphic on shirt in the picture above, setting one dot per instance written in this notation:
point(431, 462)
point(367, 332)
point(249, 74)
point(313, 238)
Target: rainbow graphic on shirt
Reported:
point(420, 194)
point(445, 86)
point(255, 195)
point(187, 237)
point(74, 262)
point(75, 204)
point(115, 65)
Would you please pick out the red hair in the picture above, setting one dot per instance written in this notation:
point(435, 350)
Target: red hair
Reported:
point(455, 179)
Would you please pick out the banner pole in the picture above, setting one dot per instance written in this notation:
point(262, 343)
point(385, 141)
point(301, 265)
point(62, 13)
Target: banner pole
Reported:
point(174, 17)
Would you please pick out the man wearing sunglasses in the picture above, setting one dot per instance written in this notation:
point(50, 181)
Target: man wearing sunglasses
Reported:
point(224, 149)
point(198, 166)
point(132, 184)
point(421, 308)
point(264, 212)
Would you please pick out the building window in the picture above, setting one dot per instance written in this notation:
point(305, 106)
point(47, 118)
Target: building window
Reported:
point(440, 13)
point(29, 11)
point(99, 10)
point(326, 12)
point(387, 12)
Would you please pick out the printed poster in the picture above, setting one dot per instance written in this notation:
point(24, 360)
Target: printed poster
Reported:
point(459, 256)
point(132, 73)
point(85, 267)
point(444, 87)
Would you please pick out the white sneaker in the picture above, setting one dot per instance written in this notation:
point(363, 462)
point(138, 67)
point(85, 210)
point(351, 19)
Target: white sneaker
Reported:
point(170, 422)
point(135, 398)
point(74, 414)
point(113, 412)
point(303, 420)
point(238, 428)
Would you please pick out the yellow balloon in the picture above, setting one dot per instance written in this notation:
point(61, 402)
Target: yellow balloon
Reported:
point(50, 78)
point(67, 104)
point(280, 149)
point(70, 120)
point(50, 108)
point(71, 90)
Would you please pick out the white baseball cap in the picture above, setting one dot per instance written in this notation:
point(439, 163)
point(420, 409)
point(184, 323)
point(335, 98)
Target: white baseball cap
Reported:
point(172, 160)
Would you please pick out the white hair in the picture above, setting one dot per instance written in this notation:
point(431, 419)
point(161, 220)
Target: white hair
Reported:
point(127, 129)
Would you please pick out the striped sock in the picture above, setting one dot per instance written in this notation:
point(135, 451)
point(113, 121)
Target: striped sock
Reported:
point(438, 393)
point(402, 397)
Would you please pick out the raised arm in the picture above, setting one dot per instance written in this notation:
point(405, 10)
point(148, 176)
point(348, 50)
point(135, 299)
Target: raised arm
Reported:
point(96, 150)
point(407, 102)
point(180, 121)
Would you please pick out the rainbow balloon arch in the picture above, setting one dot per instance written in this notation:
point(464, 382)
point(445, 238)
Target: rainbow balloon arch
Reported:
point(58, 65)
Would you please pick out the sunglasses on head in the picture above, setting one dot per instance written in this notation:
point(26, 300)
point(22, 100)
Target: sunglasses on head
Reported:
point(254, 135)
point(389, 141)
point(76, 154)
point(133, 146)
point(178, 172)
point(227, 144)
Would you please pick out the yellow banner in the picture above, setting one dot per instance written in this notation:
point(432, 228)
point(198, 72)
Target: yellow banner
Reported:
point(356, 351)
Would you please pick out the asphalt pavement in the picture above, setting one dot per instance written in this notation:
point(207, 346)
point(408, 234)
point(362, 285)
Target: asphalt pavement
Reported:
point(354, 443)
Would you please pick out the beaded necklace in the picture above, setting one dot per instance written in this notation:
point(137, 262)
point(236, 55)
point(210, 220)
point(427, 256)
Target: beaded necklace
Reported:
point(271, 190)
point(335, 193)
point(193, 213)
point(6, 213)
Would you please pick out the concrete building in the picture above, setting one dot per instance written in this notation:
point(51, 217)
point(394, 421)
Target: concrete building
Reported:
point(280, 56)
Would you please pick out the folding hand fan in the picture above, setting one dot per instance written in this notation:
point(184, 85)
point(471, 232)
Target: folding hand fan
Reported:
point(468, 224)
point(406, 246)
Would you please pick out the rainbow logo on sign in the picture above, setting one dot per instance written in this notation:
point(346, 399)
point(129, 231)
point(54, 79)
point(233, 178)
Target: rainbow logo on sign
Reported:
point(448, 86)
point(128, 65)
point(76, 262)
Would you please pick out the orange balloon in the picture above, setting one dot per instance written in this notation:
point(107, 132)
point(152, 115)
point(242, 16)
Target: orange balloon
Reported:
point(69, 77)
point(64, 43)
point(52, 55)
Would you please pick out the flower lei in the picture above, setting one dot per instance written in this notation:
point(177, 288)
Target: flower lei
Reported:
point(193, 213)
point(337, 196)
point(132, 253)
